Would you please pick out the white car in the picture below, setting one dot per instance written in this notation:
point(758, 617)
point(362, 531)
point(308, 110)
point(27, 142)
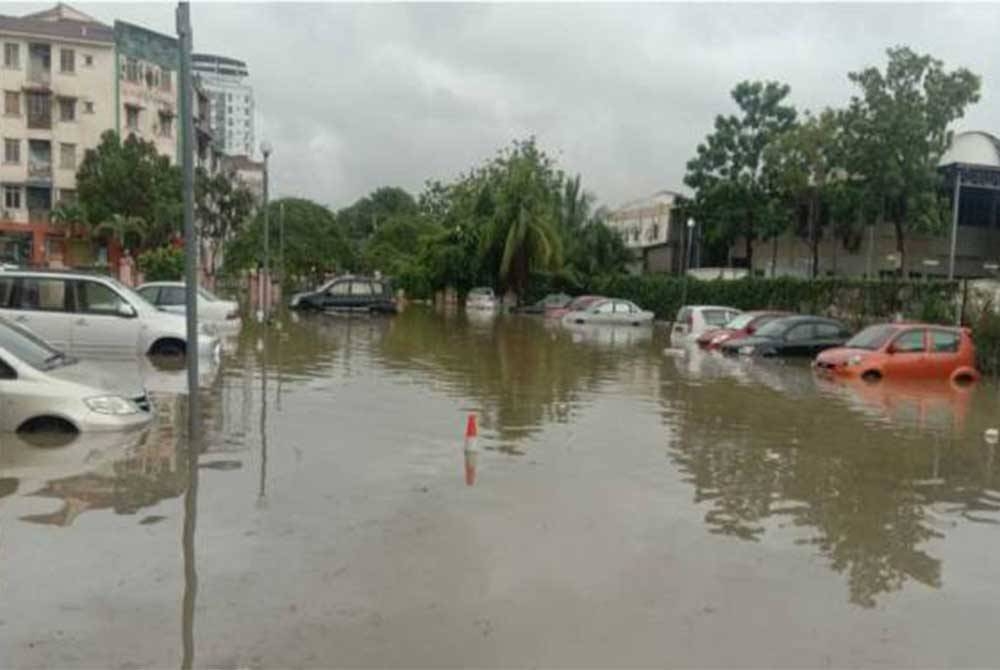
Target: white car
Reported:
point(171, 296)
point(610, 311)
point(43, 389)
point(481, 298)
point(693, 320)
point(90, 315)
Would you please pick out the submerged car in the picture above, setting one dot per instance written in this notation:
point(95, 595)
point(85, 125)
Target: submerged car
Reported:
point(577, 304)
point(906, 351)
point(743, 325)
point(791, 336)
point(171, 296)
point(44, 389)
point(550, 302)
point(481, 298)
point(348, 293)
point(693, 320)
point(610, 311)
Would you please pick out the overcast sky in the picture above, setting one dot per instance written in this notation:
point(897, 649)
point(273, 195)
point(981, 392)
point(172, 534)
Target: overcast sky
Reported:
point(358, 96)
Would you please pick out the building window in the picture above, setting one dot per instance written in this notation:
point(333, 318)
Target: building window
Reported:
point(67, 109)
point(11, 151)
point(131, 72)
point(131, 117)
point(12, 197)
point(166, 80)
point(88, 60)
point(152, 77)
point(67, 61)
point(166, 125)
point(12, 103)
point(88, 107)
point(12, 56)
point(67, 156)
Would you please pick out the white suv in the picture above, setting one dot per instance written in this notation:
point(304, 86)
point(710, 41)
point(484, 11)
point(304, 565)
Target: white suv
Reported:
point(93, 316)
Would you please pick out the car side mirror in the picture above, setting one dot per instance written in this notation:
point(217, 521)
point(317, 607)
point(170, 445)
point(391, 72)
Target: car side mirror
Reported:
point(126, 310)
point(891, 349)
point(751, 330)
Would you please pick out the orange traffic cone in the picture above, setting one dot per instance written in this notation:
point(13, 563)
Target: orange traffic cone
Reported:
point(471, 447)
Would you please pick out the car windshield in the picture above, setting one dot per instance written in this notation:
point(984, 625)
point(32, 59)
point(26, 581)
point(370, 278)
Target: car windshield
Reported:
point(775, 328)
point(481, 292)
point(583, 302)
point(29, 348)
point(130, 293)
point(741, 321)
point(872, 337)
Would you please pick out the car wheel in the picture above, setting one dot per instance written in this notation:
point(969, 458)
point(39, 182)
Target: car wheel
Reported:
point(871, 376)
point(48, 424)
point(168, 348)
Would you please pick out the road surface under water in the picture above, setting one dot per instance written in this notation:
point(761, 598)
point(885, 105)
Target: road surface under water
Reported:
point(631, 507)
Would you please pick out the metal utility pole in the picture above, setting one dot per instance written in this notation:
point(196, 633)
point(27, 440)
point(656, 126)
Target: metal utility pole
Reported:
point(265, 148)
point(281, 240)
point(183, 18)
point(954, 222)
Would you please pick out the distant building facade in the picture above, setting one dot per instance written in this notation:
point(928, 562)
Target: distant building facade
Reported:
point(57, 83)
point(226, 80)
point(247, 172)
point(975, 155)
point(651, 232)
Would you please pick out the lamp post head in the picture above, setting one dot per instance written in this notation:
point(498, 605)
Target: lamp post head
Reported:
point(690, 223)
point(266, 148)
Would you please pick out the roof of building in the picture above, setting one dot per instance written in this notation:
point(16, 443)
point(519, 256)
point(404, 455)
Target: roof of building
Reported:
point(659, 197)
point(974, 147)
point(62, 22)
point(212, 58)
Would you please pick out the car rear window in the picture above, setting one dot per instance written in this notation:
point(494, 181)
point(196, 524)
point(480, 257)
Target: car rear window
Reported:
point(44, 294)
point(716, 317)
point(943, 341)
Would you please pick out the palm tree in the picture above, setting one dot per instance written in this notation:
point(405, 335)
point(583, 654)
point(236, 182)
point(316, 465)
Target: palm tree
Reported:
point(69, 216)
point(523, 229)
point(574, 207)
point(119, 226)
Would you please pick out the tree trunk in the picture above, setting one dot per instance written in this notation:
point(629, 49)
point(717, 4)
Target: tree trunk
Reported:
point(900, 248)
point(774, 256)
point(749, 248)
point(814, 235)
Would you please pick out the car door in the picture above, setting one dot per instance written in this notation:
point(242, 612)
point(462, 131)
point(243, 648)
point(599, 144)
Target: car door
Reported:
point(907, 354)
point(172, 299)
point(45, 306)
point(799, 340)
point(827, 335)
point(942, 352)
point(9, 397)
point(361, 294)
point(682, 322)
point(101, 328)
point(338, 296)
point(602, 312)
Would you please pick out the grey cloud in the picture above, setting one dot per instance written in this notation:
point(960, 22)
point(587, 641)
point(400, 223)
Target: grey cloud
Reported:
point(358, 96)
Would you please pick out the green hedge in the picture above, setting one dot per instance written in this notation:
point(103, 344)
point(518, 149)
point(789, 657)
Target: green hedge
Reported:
point(856, 301)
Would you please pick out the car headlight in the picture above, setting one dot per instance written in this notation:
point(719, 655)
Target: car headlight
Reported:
point(111, 404)
point(854, 360)
point(747, 350)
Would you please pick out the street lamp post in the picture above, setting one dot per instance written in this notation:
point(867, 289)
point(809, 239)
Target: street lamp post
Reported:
point(687, 259)
point(265, 149)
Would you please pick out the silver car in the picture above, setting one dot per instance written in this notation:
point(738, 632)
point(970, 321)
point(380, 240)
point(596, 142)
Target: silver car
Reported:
point(43, 389)
point(610, 311)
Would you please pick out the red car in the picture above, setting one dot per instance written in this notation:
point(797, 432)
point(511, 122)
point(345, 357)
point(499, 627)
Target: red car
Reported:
point(743, 325)
point(904, 351)
point(578, 303)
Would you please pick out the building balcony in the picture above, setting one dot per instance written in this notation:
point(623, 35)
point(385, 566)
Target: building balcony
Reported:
point(39, 76)
point(40, 121)
point(38, 171)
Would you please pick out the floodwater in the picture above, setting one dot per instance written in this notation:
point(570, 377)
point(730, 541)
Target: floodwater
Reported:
point(630, 507)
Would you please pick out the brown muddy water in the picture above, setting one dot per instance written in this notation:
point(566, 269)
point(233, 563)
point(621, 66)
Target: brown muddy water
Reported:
point(631, 507)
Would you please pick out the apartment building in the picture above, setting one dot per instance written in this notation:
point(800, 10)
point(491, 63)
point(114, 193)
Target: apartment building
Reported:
point(232, 105)
point(147, 99)
point(57, 86)
point(248, 172)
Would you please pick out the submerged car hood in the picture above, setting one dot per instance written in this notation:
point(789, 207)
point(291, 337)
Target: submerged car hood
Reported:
point(120, 378)
point(840, 355)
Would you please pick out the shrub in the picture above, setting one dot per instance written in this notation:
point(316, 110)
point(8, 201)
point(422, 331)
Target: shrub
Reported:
point(162, 264)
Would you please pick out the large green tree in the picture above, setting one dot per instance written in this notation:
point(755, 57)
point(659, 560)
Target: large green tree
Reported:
point(733, 195)
point(896, 132)
point(314, 243)
point(132, 180)
point(222, 208)
point(363, 218)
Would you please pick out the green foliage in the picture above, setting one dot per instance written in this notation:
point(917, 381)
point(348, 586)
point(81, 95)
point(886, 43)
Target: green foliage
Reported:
point(315, 243)
point(365, 216)
point(122, 229)
point(897, 130)
point(162, 264)
point(733, 194)
point(131, 180)
point(222, 209)
point(857, 301)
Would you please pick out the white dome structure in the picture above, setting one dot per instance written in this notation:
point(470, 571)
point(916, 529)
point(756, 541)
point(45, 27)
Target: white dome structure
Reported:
point(973, 147)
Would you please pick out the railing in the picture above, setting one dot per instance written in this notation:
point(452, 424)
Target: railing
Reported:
point(39, 170)
point(39, 75)
point(39, 121)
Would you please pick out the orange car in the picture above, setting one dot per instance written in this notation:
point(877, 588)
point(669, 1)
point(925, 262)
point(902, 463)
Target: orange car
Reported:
point(904, 351)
